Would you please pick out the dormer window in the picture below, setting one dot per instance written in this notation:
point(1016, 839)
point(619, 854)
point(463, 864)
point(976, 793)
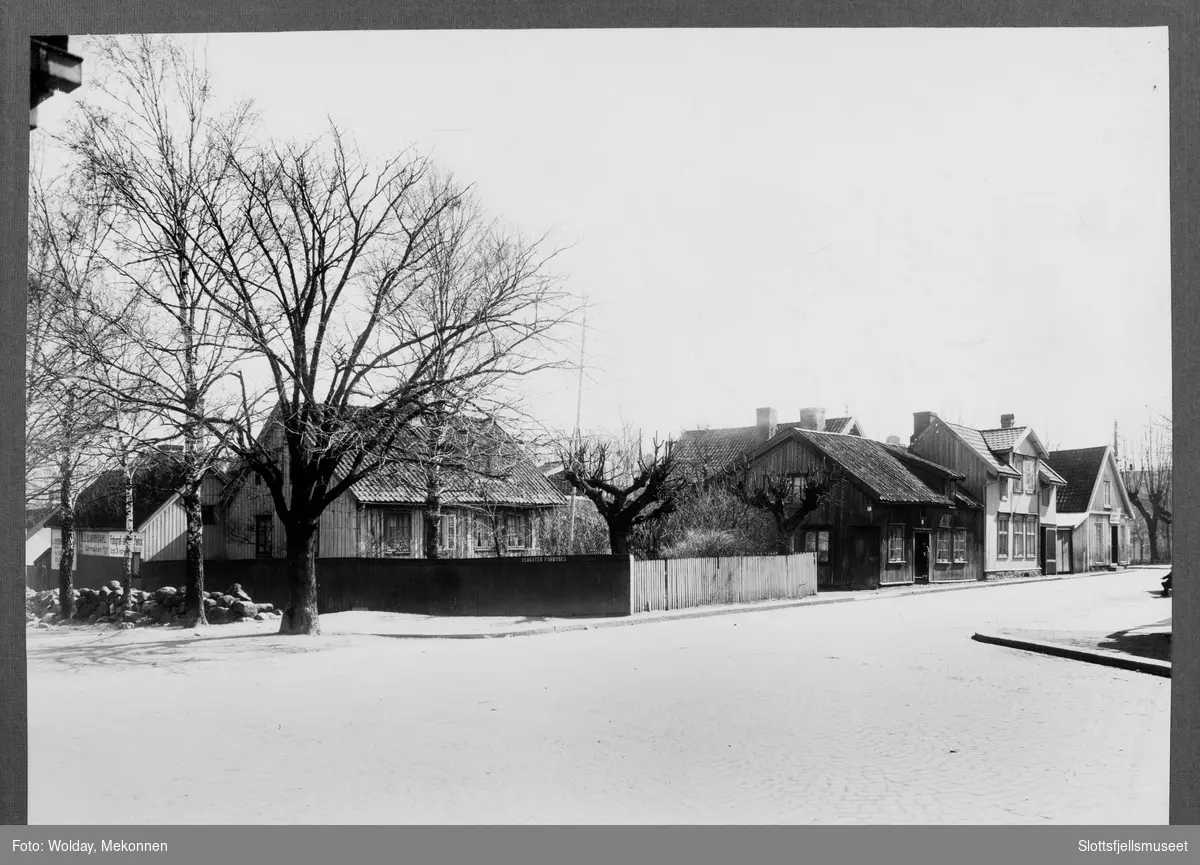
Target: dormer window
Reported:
point(1018, 485)
point(1003, 489)
point(1028, 467)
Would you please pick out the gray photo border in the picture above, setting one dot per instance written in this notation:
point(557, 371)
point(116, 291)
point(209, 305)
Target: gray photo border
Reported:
point(130, 16)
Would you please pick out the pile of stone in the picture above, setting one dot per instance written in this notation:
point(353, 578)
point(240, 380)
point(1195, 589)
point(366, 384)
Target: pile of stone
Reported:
point(165, 606)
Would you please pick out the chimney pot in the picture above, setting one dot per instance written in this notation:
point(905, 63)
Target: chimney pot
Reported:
point(1006, 421)
point(766, 423)
point(812, 418)
point(921, 421)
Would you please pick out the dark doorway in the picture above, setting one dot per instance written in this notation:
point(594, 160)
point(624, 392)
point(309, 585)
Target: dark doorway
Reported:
point(921, 544)
point(863, 561)
point(1116, 546)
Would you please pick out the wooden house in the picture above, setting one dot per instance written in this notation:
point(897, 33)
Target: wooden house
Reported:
point(485, 512)
point(1009, 471)
point(897, 518)
point(1095, 515)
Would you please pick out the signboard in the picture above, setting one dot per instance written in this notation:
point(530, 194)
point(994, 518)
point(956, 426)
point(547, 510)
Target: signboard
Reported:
point(107, 544)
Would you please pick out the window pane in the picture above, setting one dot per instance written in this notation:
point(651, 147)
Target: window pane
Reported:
point(823, 547)
point(810, 542)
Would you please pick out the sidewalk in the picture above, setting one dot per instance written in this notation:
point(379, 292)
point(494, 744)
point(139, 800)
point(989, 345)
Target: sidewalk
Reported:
point(415, 627)
point(1144, 649)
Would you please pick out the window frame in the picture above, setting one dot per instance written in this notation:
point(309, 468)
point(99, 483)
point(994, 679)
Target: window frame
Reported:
point(264, 530)
point(403, 547)
point(448, 533)
point(1108, 494)
point(1018, 465)
point(1029, 468)
point(521, 520)
point(1003, 536)
point(942, 555)
point(1003, 489)
point(960, 535)
point(1018, 534)
point(893, 530)
point(1031, 537)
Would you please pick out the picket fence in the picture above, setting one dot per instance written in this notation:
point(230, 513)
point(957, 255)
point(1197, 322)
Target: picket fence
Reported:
point(674, 584)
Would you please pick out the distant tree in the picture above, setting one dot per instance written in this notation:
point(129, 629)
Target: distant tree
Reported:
point(789, 497)
point(1148, 481)
point(713, 520)
point(629, 487)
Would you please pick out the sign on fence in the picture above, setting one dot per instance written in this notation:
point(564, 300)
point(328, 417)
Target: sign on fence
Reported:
point(107, 544)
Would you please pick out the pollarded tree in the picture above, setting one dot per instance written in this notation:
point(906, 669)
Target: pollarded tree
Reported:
point(1148, 482)
point(630, 487)
point(789, 498)
point(337, 297)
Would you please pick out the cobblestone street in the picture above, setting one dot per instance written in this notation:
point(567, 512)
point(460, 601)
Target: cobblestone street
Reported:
point(877, 712)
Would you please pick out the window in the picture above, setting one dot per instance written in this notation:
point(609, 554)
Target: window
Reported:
point(1003, 489)
point(1018, 484)
point(1029, 467)
point(1031, 537)
point(262, 536)
point(943, 546)
point(817, 541)
point(1018, 536)
point(896, 544)
point(485, 539)
point(208, 515)
point(1101, 555)
point(1108, 494)
point(1046, 496)
point(516, 531)
point(396, 536)
point(1002, 536)
point(960, 545)
point(448, 539)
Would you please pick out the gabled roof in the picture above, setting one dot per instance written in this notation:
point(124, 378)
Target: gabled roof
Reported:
point(512, 479)
point(1080, 469)
point(870, 464)
point(975, 440)
point(1003, 440)
point(905, 455)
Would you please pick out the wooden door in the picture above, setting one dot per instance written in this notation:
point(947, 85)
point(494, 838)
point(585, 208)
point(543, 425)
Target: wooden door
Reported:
point(921, 544)
point(863, 559)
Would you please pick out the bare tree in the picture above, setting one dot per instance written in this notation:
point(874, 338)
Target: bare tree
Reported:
point(629, 487)
point(1148, 481)
point(789, 498)
point(337, 296)
point(65, 414)
point(153, 142)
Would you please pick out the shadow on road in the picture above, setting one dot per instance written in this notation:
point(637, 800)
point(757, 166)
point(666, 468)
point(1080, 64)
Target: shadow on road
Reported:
point(1156, 646)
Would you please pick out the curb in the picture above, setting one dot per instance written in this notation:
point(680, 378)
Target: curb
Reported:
point(1124, 662)
point(702, 613)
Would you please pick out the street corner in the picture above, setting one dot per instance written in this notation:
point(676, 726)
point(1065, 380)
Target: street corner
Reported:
point(1143, 650)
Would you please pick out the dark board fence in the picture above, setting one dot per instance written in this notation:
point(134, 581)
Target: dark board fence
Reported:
point(535, 587)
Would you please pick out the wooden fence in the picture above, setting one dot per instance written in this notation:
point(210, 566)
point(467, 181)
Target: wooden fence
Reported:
point(673, 584)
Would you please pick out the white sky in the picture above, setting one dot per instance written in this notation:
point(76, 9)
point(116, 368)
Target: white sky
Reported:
point(972, 222)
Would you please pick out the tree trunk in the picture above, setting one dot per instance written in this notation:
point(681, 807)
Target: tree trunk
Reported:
point(1153, 539)
point(786, 543)
point(618, 540)
point(127, 570)
point(194, 593)
point(66, 559)
point(433, 527)
point(300, 614)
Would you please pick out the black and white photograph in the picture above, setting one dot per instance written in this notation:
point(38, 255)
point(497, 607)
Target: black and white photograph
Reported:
point(600, 426)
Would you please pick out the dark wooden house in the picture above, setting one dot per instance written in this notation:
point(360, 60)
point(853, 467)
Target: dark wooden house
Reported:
point(896, 519)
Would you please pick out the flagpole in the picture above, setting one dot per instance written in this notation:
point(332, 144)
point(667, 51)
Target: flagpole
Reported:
point(578, 412)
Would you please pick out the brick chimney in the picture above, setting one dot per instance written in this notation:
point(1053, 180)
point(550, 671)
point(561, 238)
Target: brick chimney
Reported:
point(812, 418)
point(767, 422)
point(1006, 421)
point(921, 420)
